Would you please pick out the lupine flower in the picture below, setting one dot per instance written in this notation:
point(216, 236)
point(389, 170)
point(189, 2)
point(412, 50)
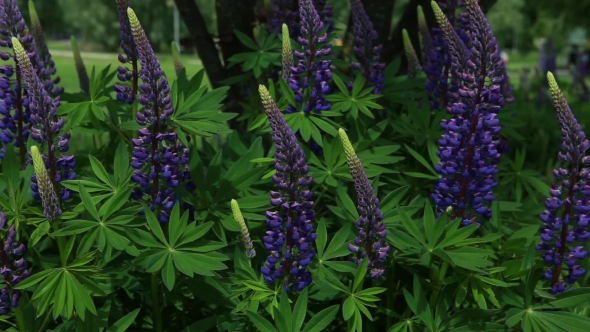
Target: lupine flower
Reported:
point(368, 55)
point(51, 208)
point(13, 106)
point(83, 79)
point(157, 146)
point(13, 267)
point(469, 150)
point(48, 68)
point(311, 72)
point(284, 12)
point(245, 238)
point(325, 13)
point(287, 56)
point(370, 242)
point(178, 65)
point(291, 234)
point(126, 93)
point(45, 125)
point(413, 62)
point(565, 228)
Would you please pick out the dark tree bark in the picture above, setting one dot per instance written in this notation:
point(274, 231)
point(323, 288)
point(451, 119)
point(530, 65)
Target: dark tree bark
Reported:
point(203, 41)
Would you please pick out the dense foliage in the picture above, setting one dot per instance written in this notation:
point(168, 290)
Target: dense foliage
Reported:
point(345, 196)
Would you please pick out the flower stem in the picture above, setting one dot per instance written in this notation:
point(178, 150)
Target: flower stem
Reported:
point(157, 314)
point(60, 244)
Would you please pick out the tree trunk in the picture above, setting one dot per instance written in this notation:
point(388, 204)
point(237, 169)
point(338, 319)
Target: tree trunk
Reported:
point(203, 41)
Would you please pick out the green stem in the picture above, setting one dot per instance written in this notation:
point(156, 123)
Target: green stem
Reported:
point(19, 316)
point(155, 304)
point(45, 321)
point(437, 283)
point(60, 244)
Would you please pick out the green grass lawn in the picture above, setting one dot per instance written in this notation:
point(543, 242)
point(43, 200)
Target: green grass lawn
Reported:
point(69, 78)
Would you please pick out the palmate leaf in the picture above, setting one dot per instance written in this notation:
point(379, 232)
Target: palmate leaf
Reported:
point(181, 251)
point(65, 288)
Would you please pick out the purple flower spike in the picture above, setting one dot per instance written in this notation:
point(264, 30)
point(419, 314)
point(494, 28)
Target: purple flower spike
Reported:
point(368, 54)
point(157, 147)
point(311, 72)
point(290, 234)
point(126, 92)
point(13, 267)
point(566, 219)
point(469, 151)
point(370, 243)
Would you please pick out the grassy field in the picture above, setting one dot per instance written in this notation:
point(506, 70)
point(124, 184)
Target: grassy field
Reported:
point(66, 70)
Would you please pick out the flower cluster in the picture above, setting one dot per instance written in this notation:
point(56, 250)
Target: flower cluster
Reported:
point(368, 55)
point(45, 124)
point(15, 115)
point(44, 187)
point(13, 267)
point(126, 93)
point(566, 218)
point(311, 72)
point(370, 242)
point(291, 234)
point(47, 69)
point(284, 12)
point(157, 146)
point(245, 234)
point(469, 150)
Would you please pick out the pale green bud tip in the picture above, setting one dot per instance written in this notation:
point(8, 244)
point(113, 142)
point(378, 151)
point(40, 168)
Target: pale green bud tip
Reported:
point(235, 209)
point(348, 149)
point(133, 20)
point(407, 42)
point(449, 209)
point(18, 49)
point(437, 11)
point(33, 14)
point(264, 94)
point(421, 14)
point(552, 82)
point(38, 163)
point(285, 31)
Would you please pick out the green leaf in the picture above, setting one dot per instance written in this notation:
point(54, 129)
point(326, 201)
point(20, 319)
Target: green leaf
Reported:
point(421, 160)
point(261, 323)
point(571, 298)
point(322, 319)
point(124, 323)
point(87, 201)
point(300, 311)
point(175, 226)
point(169, 274)
point(155, 226)
point(360, 276)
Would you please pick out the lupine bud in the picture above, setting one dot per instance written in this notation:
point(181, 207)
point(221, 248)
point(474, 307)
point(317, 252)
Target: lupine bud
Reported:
point(49, 200)
point(178, 65)
point(83, 79)
point(245, 238)
point(13, 267)
point(559, 234)
point(287, 54)
point(413, 62)
point(291, 234)
point(370, 243)
point(48, 70)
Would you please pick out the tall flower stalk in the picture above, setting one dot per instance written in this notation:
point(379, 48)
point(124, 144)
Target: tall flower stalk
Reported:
point(46, 126)
point(368, 55)
point(284, 12)
point(245, 234)
point(413, 62)
point(83, 78)
point(15, 122)
point(311, 73)
point(291, 233)
point(157, 148)
point(469, 148)
point(565, 228)
point(126, 92)
point(370, 242)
